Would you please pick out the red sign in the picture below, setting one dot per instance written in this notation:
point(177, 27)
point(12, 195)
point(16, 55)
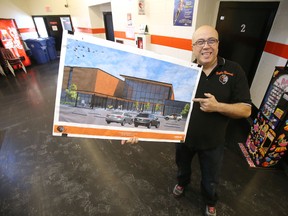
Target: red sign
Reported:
point(11, 40)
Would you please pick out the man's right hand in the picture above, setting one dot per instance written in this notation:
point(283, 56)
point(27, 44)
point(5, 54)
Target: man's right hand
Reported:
point(133, 140)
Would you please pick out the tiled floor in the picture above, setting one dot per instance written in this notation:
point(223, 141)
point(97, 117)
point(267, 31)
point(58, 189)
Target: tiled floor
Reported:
point(42, 175)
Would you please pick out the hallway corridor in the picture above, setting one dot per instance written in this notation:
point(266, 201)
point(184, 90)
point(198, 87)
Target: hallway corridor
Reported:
point(42, 175)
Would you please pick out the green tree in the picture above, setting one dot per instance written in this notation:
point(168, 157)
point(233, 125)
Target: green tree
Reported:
point(71, 92)
point(157, 107)
point(147, 106)
point(136, 104)
point(185, 110)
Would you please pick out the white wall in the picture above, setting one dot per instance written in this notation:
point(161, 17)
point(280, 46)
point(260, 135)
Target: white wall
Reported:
point(84, 14)
point(160, 22)
point(18, 10)
point(47, 7)
point(96, 17)
point(158, 18)
point(207, 12)
point(96, 2)
point(79, 13)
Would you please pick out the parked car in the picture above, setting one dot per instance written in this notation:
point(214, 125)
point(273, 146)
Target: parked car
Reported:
point(119, 117)
point(146, 119)
point(173, 116)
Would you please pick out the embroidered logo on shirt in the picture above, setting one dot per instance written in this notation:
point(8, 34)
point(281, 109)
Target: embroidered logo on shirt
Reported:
point(223, 79)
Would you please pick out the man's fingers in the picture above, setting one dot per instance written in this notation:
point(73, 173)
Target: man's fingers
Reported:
point(132, 140)
point(202, 100)
point(198, 99)
point(208, 95)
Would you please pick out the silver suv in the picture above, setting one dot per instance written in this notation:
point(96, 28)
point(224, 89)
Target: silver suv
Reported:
point(119, 117)
point(146, 119)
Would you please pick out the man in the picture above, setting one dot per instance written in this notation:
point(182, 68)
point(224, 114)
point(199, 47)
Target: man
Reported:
point(222, 93)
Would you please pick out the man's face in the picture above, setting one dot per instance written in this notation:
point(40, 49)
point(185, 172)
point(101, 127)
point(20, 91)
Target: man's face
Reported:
point(205, 54)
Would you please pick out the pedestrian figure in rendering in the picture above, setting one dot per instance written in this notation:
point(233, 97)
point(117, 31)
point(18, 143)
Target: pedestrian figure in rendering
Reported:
point(93, 101)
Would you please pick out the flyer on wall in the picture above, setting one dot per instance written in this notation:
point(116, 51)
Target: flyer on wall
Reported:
point(109, 90)
point(183, 12)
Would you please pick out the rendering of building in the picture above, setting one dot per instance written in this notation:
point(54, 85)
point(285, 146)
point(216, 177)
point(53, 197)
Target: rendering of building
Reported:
point(97, 88)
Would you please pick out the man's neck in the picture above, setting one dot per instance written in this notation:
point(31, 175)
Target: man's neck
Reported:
point(207, 69)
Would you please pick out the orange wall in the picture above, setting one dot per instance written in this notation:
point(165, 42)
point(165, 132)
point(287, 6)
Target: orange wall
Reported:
point(277, 49)
point(94, 80)
point(108, 85)
point(83, 83)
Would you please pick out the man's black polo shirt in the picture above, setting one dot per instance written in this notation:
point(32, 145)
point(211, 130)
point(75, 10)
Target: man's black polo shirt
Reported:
point(228, 83)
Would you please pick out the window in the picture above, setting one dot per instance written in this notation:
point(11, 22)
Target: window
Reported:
point(40, 25)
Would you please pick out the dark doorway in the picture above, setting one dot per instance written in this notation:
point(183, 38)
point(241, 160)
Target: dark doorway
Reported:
point(54, 26)
point(243, 30)
point(54, 29)
point(108, 22)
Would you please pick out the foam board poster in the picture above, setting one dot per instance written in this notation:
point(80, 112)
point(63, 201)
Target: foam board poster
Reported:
point(109, 90)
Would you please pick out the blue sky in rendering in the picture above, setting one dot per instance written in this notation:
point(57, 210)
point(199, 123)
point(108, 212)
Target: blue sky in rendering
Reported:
point(116, 62)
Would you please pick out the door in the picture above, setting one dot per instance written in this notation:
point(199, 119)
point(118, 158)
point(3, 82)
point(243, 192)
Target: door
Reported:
point(54, 29)
point(243, 30)
point(108, 23)
point(53, 26)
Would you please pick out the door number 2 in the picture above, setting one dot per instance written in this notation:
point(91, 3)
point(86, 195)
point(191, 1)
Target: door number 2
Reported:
point(243, 28)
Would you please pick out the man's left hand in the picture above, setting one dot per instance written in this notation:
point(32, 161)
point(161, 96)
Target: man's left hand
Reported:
point(208, 104)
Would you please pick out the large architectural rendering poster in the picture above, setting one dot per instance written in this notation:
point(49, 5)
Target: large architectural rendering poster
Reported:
point(112, 91)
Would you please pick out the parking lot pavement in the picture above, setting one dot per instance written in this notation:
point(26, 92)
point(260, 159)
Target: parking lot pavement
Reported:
point(97, 117)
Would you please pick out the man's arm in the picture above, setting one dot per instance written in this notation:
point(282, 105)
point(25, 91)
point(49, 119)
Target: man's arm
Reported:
point(236, 110)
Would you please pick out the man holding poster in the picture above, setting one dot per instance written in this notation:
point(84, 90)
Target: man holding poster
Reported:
point(222, 93)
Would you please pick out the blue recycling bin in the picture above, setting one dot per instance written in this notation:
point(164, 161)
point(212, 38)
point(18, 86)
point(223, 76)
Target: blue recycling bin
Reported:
point(39, 50)
point(50, 42)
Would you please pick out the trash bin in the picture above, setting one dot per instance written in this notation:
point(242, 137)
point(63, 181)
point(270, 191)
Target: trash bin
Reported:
point(39, 50)
point(50, 41)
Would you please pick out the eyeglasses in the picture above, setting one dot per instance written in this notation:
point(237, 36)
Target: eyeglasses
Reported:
point(210, 42)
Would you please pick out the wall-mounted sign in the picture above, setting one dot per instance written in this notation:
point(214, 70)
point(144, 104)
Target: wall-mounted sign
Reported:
point(54, 28)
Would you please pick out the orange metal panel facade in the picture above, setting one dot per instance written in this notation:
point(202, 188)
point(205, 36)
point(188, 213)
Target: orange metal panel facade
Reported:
point(93, 80)
point(108, 85)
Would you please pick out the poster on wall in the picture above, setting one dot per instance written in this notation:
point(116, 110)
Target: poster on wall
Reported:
point(111, 91)
point(11, 40)
point(183, 12)
point(141, 7)
point(130, 29)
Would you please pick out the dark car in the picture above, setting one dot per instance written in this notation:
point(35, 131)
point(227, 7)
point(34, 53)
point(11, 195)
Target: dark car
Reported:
point(119, 117)
point(146, 119)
